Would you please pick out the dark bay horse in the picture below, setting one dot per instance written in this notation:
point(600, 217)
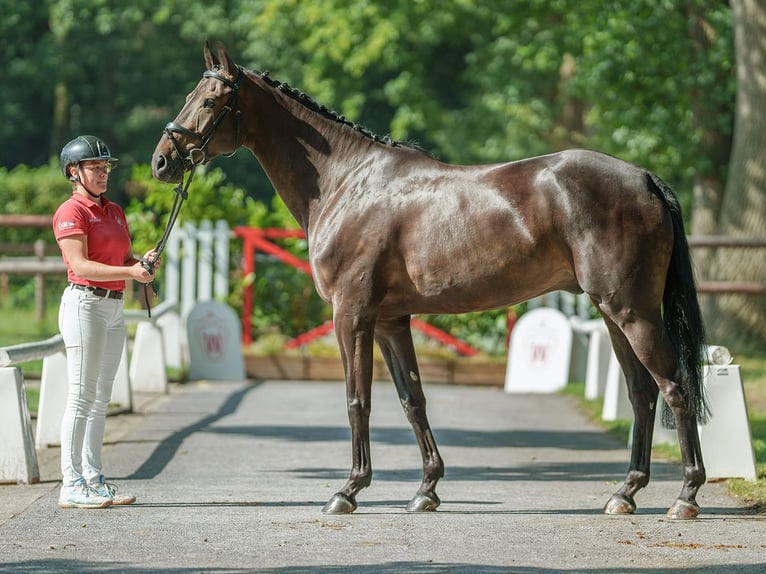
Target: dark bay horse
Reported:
point(393, 232)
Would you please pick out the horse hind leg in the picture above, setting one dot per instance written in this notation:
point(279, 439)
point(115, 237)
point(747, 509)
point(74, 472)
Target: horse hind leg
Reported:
point(395, 341)
point(652, 347)
point(642, 392)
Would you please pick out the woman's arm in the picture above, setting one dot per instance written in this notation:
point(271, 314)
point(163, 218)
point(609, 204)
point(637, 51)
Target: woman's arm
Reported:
point(75, 249)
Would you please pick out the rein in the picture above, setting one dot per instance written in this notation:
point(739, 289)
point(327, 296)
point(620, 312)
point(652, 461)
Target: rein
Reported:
point(195, 157)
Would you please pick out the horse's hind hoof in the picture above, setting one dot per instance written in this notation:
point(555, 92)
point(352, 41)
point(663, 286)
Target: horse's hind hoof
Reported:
point(620, 505)
point(682, 510)
point(423, 503)
point(340, 504)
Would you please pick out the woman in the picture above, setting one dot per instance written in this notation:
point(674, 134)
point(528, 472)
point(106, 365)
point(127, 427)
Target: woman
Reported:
point(95, 243)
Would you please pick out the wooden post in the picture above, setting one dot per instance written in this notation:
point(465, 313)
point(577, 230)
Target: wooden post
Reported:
point(40, 282)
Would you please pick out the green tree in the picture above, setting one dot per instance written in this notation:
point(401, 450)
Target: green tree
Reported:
point(738, 318)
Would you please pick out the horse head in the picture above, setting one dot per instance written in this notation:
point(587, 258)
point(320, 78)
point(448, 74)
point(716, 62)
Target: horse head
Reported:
point(208, 125)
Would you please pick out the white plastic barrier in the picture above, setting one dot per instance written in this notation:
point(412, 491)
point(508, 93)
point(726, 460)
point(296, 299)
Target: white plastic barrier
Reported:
point(53, 392)
point(18, 458)
point(148, 363)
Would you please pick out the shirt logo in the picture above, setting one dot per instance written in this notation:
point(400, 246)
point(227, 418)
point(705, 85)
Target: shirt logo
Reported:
point(66, 224)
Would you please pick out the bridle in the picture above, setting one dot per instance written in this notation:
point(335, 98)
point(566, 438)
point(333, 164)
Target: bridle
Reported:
point(195, 157)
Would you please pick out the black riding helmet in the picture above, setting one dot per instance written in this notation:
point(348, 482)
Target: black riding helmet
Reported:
point(83, 148)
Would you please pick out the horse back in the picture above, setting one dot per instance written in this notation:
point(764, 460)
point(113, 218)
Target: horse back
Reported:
point(427, 237)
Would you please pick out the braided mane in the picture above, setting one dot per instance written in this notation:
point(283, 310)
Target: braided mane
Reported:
point(326, 112)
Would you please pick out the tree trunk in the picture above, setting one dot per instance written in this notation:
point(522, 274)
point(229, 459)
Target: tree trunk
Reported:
point(741, 319)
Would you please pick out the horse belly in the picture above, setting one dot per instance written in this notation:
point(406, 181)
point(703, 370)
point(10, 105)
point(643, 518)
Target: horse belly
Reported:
point(486, 270)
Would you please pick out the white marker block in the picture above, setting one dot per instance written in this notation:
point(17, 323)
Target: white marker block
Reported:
point(215, 343)
point(540, 352)
point(727, 444)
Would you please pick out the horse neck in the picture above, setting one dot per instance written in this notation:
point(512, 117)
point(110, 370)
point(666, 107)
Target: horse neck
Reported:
point(304, 154)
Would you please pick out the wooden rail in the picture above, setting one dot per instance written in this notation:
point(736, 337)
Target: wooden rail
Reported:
point(728, 287)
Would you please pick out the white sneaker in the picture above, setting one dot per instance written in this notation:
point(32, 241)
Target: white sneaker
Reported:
point(109, 490)
point(80, 495)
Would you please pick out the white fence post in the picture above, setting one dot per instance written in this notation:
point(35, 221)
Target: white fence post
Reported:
point(204, 261)
point(188, 269)
point(221, 278)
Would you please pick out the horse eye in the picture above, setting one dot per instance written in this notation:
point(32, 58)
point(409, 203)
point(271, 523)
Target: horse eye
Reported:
point(208, 103)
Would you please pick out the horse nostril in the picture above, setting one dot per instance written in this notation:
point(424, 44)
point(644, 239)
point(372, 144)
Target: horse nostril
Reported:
point(161, 163)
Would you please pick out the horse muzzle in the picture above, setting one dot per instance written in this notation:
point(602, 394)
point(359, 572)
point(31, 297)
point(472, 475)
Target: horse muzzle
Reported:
point(167, 168)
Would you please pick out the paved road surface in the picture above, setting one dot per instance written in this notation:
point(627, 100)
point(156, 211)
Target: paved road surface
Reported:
point(231, 477)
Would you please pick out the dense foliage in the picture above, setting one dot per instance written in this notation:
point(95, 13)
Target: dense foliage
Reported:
point(470, 81)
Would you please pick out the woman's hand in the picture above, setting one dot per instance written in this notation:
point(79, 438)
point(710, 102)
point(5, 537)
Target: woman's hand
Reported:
point(151, 256)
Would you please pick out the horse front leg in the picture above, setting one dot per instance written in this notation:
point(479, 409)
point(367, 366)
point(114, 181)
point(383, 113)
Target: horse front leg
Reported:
point(355, 342)
point(395, 341)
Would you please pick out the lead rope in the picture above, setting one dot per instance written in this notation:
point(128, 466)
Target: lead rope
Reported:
point(181, 191)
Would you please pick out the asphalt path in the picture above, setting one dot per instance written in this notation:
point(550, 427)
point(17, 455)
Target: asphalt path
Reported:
point(231, 477)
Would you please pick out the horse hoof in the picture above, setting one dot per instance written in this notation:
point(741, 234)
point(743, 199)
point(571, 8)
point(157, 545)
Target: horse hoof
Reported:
point(682, 510)
point(340, 504)
point(423, 503)
point(620, 505)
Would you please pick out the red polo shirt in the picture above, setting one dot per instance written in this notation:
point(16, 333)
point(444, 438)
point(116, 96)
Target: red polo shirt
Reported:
point(106, 229)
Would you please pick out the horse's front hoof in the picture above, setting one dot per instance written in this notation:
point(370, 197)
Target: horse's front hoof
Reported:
point(620, 505)
point(423, 503)
point(682, 510)
point(340, 504)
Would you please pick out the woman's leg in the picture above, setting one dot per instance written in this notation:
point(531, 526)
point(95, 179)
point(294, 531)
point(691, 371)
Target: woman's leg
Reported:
point(110, 362)
point(84, 333)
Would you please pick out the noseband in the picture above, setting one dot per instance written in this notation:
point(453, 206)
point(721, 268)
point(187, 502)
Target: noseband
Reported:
point(198, 155)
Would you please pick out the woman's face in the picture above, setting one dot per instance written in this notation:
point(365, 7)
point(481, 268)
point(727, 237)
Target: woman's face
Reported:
point(94, 174)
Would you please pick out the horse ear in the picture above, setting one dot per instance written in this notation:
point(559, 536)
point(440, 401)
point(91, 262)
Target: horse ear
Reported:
point(226, 62)
point(209, 61)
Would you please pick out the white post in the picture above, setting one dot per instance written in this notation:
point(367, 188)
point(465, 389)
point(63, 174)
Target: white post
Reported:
point(188, 270)
point(121, 394)
point(18, 458)
point(172, 339)
point(221, 278)
point(599, 355)
point(205, 261)
point(147, 365)
point(171, 269)
point(54, 386)
point(616, 401)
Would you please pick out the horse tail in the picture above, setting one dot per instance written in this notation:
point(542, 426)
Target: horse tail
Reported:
point(681, 311)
